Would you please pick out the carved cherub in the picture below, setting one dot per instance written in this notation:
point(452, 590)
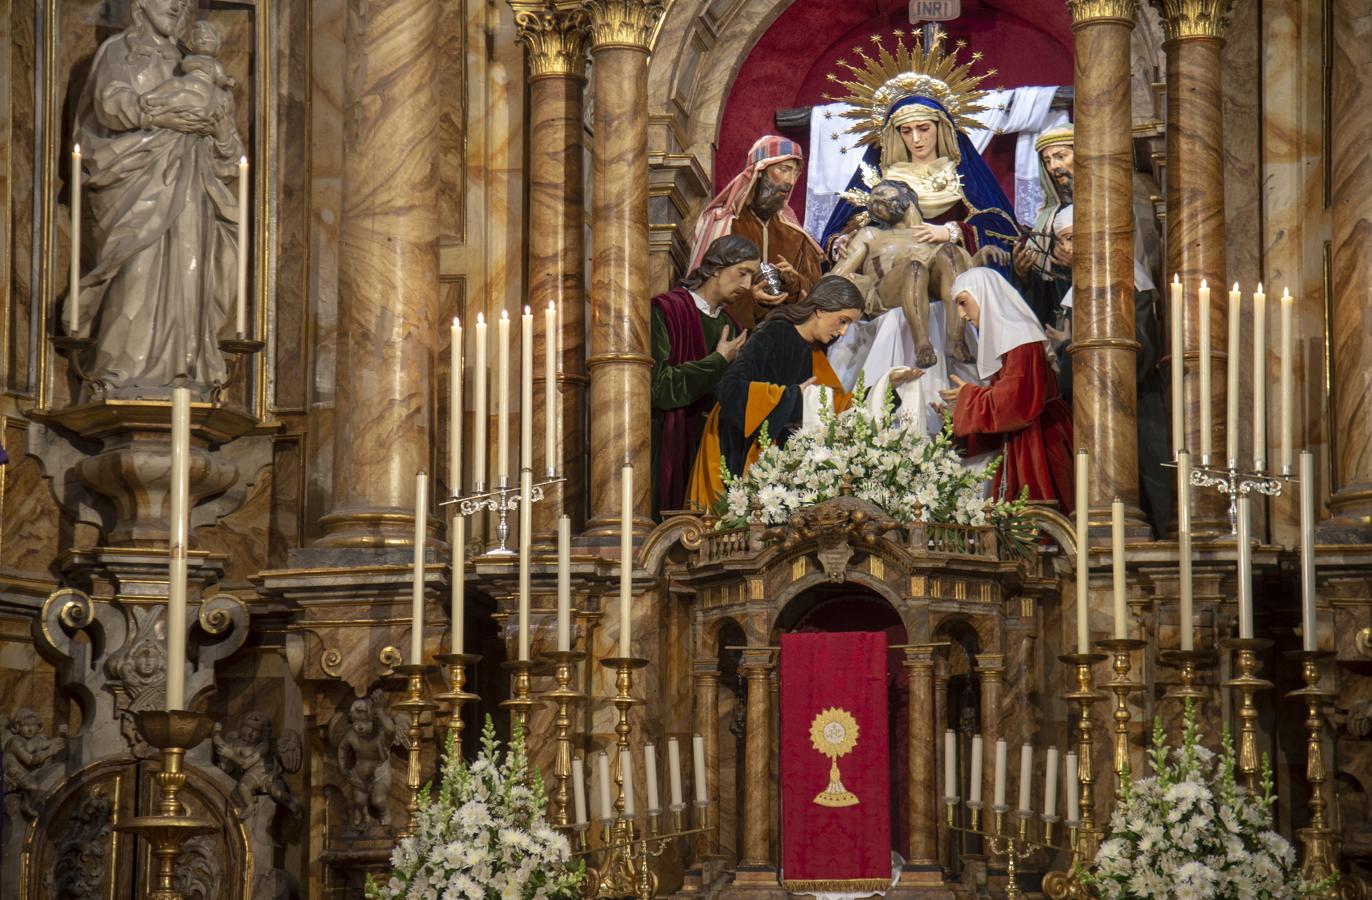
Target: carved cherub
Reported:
point(259, 762)
point(27, 751)
point(363, 738)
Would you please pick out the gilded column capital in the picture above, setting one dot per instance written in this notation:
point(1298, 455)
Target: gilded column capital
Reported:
point(554, 36)
point(1188, 19)
point(623, 23)
point(1086, 12)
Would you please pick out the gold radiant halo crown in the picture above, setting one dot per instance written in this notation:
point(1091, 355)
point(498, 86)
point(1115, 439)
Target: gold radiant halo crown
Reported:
point(878, 82)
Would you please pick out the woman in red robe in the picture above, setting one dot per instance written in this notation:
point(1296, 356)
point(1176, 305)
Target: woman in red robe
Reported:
point(1019, 411)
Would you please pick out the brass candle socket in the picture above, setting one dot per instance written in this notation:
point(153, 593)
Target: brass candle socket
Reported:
point(457, 694)
point(624, 681)
point(1188, 663)
point(564, 667)
point(415, 705)
point(173, 732)
point(1063, 884)
point(1121, 651)
point(1318, 840)
point(520, 703)
point(1246, 652)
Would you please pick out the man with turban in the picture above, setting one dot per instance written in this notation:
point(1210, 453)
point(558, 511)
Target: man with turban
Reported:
point(754, 205)
point(1042, 260)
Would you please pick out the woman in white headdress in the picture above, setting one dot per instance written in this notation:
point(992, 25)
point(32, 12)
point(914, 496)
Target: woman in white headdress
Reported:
point(1019, 411)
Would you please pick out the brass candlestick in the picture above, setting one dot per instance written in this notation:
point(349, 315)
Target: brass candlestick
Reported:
point(1120, 649)
point(415, 704)
point(457, 694)
point(1246, 662)
point(1016, 848)
point(1085, 836)
point(520, 703)
point(1187, 663)
point(617, 874)
point(1319, 840)
point(626, 866)
point(173, 732)
point(564, 662)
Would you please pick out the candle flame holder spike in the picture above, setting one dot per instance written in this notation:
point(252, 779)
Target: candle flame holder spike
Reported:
point(414, 705)
point(1084, 836)
point(1121, 651)
point(564, 666)
point(1246, 652)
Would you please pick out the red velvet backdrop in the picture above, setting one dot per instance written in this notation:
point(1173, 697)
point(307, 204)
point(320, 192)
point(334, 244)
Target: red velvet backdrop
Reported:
point(1028, 41)
point(829, 847)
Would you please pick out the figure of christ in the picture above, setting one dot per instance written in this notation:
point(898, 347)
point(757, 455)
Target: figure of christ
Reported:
point(897, 264)
point(206, 85)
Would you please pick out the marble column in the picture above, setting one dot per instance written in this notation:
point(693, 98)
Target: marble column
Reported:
point(554, 36)
point(756, 667)
point(706, 677)
point(1351, 264)
point(620, 360)
point(921, 735)
point(991, 667)
point(1104, 389)
point(388, 271)
point(1195, 216)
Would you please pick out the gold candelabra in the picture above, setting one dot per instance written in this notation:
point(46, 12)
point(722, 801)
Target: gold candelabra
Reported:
point(1246, 662)
point(1121, 650)
point(415, 704)
point(457, 694)
point(1016, 847)
point(564, 664)
point(173, 732)
point(1085, 837)
point(520, 703)
point(626, 870)
point(617, 875)
point(1318, 839)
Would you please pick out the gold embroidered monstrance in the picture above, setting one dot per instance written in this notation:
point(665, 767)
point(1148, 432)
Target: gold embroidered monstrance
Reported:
point(834, 733)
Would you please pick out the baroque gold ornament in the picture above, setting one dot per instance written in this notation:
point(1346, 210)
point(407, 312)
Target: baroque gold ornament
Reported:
point(834, 733)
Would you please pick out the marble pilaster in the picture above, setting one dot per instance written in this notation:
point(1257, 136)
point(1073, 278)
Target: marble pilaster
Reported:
point(620, 362)
point(554, 38)
point(1105, 395)
point(921, 735)
point(756, 668)
point(1351, 263)
point(991, 667)
point(1195, 214)
point(706, 678)
point(388, 278)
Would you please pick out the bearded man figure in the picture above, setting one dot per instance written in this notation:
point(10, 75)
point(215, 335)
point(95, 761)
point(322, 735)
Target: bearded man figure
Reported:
point(753, 205)
point(1042, 261)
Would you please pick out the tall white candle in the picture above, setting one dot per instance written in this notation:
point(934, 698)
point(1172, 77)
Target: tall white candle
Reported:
point(607, 810)
point(626, 557)
point(241, 306)
point(526, 391)
point(978, 757)
point(1184, 546)
point(950, 764)
point(650, 778)
point(457, 611)
point(579, 790)
point(1083, 509)
point(1050, 784)
point(698, 751)
point(550, 360)
point(503, 399)
point(999, 794)
point(1207, 413)
point(1309, 624)
point(626, 774)
point(526, 517)
point(674, 770)
point(1231, 419)
point(1259, 380)
point(1178, 370)
point(479, 422)
point(564, 583)
point(74, 289)
point(455, 410)
point(179, 538)
point(1286, 362)
point(1073, 785)
point(1245, 538)
point(421, 521)
point(1117, 557)
point(1026, 777)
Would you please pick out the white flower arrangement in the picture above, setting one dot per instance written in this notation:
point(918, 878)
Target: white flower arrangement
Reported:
point(1190, 831)
point(484, 837)
point(887, 459)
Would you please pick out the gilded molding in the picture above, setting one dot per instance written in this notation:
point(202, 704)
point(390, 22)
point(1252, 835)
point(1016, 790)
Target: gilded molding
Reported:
point(1191, 19)
point(623, 23)
point(1089, 11)
point(554, 36)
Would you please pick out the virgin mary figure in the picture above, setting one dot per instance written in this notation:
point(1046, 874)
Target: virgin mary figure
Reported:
point(912, 108)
